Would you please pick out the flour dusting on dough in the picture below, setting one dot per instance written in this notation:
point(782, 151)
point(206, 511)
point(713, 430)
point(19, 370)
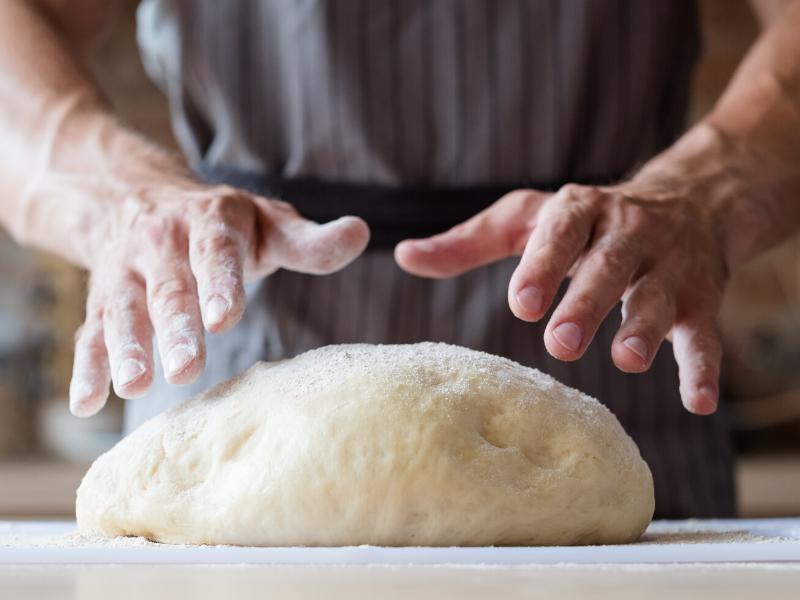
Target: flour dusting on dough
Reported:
point(424, 444)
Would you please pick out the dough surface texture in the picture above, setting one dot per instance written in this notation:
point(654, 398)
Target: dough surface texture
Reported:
point(419, 445)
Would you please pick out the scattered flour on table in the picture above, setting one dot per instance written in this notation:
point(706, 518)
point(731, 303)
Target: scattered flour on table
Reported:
point(73, 540)
point(707, 537)
point(76, 540)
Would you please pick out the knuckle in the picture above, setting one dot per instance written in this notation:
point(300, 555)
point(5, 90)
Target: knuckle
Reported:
point(616, 263)
point(89, 333)
point(659, 299)
point(545, 273)
point(221, 203)
point(115, 315)
point(224, 190)
point(221, 242)
point(576, 192)
point(651, 328)
point(587, 305)
point(516, 197)
point(161, 231)
point(571, 190)
point(281, 205)
point(227, 203)
point(641, 220)
point(278, 210)
point(169, 291)
point(121, 301)
point(522, 199)
point(565, 233)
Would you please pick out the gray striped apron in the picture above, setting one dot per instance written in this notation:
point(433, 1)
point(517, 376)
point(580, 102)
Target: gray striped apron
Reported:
point(415, 114)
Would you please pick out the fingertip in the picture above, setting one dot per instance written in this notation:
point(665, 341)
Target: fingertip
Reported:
point(698, 351)
point(133, 379)
point(322, 249)
point(405, 250)
point(564, 341)
point(402, 252)
point(184, 363)
point(217, 308)
point(569, 336)
point(703, 400)
point(418, 257)
point(355, 232)
point(221, 314)
point(356, 223)
point(424, 246)
point(85, 402)
point(707, 400)
point(632, 355)
point(527, 303)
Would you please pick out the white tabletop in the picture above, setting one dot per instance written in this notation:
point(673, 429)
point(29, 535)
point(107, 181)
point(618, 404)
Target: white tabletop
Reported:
point(665, 542)
point(165, 573)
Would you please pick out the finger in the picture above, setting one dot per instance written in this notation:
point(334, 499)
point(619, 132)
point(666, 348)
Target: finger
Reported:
point(294, 243)
point(128, 336)
point(648, 313)
point(493, 234)
point(88, 389)
point(216, 252)
point(698, 351)
point(597, 286)
point(175, 314)
point(563, 229)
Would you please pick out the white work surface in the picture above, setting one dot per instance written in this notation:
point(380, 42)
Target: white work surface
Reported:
point(689, 571)
point(664, 542)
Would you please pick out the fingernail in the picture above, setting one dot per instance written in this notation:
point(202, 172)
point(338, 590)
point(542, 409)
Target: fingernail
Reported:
point(709, 393)
point(178, 358)
point(569, 335)
point(638, 346)
point(530, 299)
point(216, 309)
point(129, 371)
point(424, 246)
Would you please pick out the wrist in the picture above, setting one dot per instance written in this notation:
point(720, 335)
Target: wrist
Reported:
point(92, 182)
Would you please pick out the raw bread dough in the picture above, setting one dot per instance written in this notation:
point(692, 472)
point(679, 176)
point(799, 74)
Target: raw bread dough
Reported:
point(425, 444)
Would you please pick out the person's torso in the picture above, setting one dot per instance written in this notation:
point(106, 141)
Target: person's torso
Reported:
point(423, 92)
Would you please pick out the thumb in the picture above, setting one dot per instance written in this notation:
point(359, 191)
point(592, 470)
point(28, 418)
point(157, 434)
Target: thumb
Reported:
point(497, 232)
point(308, 247)
point(284, 239)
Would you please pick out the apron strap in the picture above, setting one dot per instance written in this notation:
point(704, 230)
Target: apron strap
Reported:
point(392, 213)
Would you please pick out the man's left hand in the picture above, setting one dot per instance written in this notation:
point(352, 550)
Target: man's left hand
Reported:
point(662, 257)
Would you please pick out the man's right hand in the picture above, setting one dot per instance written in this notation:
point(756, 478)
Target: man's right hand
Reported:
point(173, 261)
point(166, 255)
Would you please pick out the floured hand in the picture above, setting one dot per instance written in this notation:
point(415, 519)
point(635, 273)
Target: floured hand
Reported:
point(166, 255)
point(173, 261)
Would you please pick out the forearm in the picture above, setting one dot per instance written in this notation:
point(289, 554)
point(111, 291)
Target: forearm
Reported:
point(64, 157)
point(742, 162)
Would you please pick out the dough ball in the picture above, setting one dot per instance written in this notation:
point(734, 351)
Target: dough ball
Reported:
point(418, 445)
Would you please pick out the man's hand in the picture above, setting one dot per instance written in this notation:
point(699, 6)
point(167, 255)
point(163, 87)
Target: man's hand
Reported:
point(662, 242)
point(662, 257)
point(173, 261)
point(166, 255)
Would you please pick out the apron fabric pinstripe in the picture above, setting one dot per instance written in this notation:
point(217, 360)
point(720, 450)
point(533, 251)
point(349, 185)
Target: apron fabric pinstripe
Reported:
point(434, 95)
